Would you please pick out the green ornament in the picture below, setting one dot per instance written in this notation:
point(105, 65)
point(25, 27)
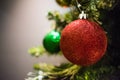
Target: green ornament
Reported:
point(51, 42)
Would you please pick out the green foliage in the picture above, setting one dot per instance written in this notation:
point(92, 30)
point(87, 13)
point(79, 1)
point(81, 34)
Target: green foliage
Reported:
point(36, 51)
point(92, 7)
point(44, 67)
point(63, 71)
point(105, 4)
point(60, 20)
point(94, 73)
point(69, 71)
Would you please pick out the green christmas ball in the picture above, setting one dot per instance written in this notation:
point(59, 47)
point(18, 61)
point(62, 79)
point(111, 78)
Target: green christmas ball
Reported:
point(51, 42)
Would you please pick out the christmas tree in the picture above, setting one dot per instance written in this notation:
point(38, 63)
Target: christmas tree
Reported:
point(88, 36)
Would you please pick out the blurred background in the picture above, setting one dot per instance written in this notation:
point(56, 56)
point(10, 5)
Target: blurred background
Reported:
point(23, 24)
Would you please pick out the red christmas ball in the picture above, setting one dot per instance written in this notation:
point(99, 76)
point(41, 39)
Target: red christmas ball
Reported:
point(83, 42)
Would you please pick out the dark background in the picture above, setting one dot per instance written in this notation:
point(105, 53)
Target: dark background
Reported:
point(114, 50)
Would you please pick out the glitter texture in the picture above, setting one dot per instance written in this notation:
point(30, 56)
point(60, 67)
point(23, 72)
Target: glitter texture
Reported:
point(83, 42)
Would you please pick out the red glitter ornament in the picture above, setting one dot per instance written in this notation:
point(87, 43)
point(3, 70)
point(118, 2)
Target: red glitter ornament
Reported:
point(83, 42)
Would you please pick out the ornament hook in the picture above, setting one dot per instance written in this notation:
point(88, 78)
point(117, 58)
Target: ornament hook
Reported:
point(82, 15)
